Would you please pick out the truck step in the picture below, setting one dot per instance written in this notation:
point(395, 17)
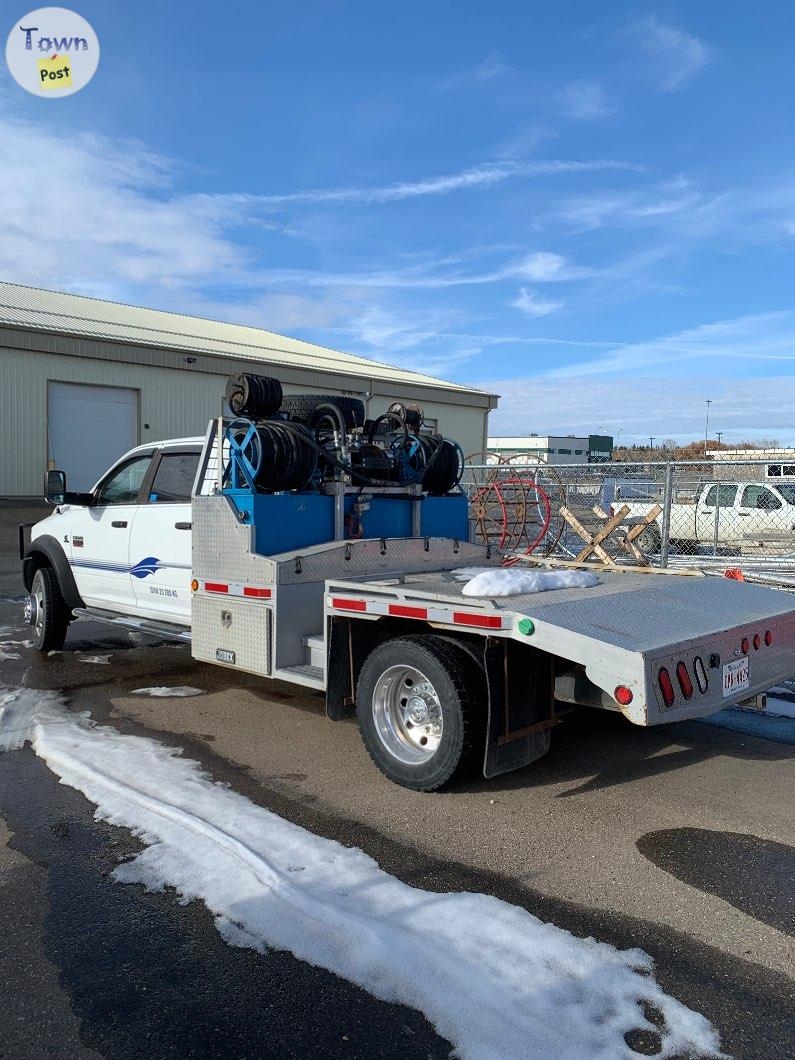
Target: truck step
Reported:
point(141, 625)
point(316, 650)
point(311, 676)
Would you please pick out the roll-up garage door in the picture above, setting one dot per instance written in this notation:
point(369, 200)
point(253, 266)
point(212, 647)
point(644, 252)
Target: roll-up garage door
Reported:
point(88, 427)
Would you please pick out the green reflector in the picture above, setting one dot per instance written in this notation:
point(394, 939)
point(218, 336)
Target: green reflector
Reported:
point(527, 626)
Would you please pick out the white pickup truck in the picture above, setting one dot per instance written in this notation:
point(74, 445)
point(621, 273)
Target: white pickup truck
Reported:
point(723, 511)
point(318, 547)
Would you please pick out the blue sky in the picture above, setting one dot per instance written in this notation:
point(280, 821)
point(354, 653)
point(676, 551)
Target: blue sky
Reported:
point(589, 209)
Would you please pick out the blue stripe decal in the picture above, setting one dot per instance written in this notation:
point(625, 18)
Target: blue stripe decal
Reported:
point(142, 569)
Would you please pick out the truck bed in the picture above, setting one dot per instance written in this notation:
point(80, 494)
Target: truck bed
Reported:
point(620, 611)
point(625, 631)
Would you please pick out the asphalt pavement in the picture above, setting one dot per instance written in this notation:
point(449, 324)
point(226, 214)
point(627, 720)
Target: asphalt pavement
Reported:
point(677, 839)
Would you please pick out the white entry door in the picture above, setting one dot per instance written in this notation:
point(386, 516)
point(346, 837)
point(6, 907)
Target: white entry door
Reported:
point(89, 428)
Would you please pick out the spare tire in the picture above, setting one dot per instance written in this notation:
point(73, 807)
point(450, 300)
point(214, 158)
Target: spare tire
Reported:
point(303, 407)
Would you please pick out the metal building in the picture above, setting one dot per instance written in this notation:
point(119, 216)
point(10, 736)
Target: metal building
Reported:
point(83, 380)
point(560, 449)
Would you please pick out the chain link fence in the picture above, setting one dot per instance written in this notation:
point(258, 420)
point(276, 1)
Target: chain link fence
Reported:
point(711, 514)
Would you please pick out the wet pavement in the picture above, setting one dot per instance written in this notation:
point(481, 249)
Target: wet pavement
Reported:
point(676, 839)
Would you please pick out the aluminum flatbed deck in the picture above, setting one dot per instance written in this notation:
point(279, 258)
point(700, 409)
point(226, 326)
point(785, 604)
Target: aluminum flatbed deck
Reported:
point(636, 631)
point(621, 610)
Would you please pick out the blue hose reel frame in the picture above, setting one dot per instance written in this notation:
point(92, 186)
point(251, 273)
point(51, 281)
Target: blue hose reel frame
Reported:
point(245, 455)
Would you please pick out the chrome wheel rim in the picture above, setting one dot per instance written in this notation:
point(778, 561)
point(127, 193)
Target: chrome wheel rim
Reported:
point(408, 715)
point(36, 606)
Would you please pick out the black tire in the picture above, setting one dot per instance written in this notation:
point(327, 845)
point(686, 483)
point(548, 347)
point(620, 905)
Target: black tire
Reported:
point(51, 617)
point(459, 688)
point(302, 407)
point(254, 396)
point(649, 541)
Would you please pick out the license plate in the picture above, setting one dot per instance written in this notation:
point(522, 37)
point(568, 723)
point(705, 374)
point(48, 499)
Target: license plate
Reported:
point(222, 655)
point(735, 677)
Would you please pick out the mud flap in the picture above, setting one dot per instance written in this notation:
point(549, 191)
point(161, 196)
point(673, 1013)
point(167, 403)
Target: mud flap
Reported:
point(346, 655)
point(521, 687)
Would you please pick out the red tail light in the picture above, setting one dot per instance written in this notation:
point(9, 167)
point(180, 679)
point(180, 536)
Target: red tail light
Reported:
point(746, 645)
point(757, 642)
point(623, 695)
point(667, 689)
point(684, 680)
point(768, 637)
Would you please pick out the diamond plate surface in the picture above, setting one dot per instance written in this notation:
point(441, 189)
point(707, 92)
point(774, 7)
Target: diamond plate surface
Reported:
point(352, 559)
point(221, 545)
point(241, 626)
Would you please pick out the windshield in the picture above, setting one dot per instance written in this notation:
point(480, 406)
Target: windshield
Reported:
point(787, 492)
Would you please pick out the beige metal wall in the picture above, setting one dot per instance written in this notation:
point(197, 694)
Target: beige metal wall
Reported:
point(175, 402)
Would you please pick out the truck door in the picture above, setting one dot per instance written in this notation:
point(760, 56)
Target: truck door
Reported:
point(160, 542)
point(100, 536)
point(761, 511)
point(716, 510)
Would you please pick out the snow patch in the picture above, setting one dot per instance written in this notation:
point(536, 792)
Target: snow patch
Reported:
point(100, 660)
point(5, 654)
point(493, 979)
point(163, 691)
point(503, 581)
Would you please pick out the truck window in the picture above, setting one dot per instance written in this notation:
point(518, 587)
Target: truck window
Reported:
point(124, 484)
point(760, 497)
point(787, 491)
point(173, 479)
point(724, 494)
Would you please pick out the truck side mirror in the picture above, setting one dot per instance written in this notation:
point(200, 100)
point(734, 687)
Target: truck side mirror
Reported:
point(55, 486)
point(55, 490)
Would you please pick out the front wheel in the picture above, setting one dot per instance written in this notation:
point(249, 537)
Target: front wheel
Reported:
point(420, 704)
point(46, 611)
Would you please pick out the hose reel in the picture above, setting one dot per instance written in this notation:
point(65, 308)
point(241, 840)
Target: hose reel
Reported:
point(298, 442)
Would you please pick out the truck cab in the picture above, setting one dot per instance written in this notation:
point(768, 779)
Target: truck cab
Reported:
point(723, 512)
point(125, 546)
point(740, 509)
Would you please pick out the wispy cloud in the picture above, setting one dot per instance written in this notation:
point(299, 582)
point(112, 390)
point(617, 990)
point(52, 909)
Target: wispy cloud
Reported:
point(107, 209)
point(757, 408)
point(524, 140)
point(538, 267)
point(492, 68)
point(659, 386)
point(675, 54)
point(585, 101)
point(755, 337)
point(483, 175)
point(637, 207)
point(532, 305)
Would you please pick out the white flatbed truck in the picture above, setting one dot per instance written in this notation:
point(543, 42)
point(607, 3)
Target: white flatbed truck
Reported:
point(441, 683)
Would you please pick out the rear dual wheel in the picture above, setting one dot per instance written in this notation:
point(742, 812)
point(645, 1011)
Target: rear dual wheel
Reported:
point(421, 706)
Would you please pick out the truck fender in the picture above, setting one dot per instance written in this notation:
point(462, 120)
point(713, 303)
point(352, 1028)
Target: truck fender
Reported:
point(46, 551)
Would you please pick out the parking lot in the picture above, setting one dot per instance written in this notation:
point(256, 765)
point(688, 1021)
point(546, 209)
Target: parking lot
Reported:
point(676, 839)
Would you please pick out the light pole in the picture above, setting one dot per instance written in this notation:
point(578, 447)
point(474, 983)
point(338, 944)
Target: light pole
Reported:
point(651, 441)
point(706, 428)
point(720, 436)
